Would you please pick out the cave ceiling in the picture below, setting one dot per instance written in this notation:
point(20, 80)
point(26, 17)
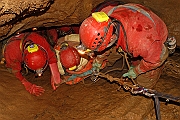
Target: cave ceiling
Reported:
point(19, 15)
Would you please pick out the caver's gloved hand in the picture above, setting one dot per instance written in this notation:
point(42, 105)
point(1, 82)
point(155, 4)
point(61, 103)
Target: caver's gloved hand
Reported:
point(130, 73)
point(32, 88)
point(55, 77)
point(99, 63)
point(96, 66)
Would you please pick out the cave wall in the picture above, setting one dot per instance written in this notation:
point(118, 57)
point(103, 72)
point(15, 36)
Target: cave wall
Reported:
point(19, 15)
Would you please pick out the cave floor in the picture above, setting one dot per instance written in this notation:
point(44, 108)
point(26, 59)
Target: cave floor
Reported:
point(87, 101)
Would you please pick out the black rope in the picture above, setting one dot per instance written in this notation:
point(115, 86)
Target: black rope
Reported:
point(157, 107)
point(125, 35)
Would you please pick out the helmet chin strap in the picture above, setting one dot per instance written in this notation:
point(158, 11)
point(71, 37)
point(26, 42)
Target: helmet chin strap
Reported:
point(118, 25)
point(116, 33)
point(40, 71)
point(112, 41)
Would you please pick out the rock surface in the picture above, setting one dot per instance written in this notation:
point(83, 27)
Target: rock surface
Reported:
point(19, 15)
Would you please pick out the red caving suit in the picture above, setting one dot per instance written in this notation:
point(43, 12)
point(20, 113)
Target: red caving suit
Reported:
point(146, 34)
point(13, 53)
point(14, 58)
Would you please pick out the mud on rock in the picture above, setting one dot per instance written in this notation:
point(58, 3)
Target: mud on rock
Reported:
point(86, 101)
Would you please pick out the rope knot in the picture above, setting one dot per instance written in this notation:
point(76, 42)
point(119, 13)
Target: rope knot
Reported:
point(109, 77)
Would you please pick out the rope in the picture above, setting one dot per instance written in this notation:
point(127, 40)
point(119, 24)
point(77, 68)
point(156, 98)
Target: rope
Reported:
point(126, 58)
point(119, 80)
point(141, 90)
point(157, 107)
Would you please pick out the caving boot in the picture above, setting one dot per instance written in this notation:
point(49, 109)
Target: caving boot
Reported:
point(150, 78)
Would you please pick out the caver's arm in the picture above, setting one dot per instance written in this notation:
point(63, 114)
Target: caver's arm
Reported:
point(31, 88)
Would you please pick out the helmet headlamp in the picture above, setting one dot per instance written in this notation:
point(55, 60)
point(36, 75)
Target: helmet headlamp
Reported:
point(100, 16)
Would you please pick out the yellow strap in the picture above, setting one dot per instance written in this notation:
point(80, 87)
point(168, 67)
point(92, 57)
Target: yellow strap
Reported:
point(73, 68)
point(20, 45)
point(22, 40)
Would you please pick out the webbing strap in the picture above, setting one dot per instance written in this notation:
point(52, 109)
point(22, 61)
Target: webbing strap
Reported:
point(134, 8)
point(73, 76)
point(22, 41)
point(124, 32)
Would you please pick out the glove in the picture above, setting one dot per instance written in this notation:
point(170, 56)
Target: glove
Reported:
point(32, 88)
point(55, 77)
point(96, 66)
point(130, 73)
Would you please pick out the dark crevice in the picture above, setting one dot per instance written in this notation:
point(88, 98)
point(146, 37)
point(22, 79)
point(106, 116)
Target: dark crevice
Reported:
point(26, 13)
